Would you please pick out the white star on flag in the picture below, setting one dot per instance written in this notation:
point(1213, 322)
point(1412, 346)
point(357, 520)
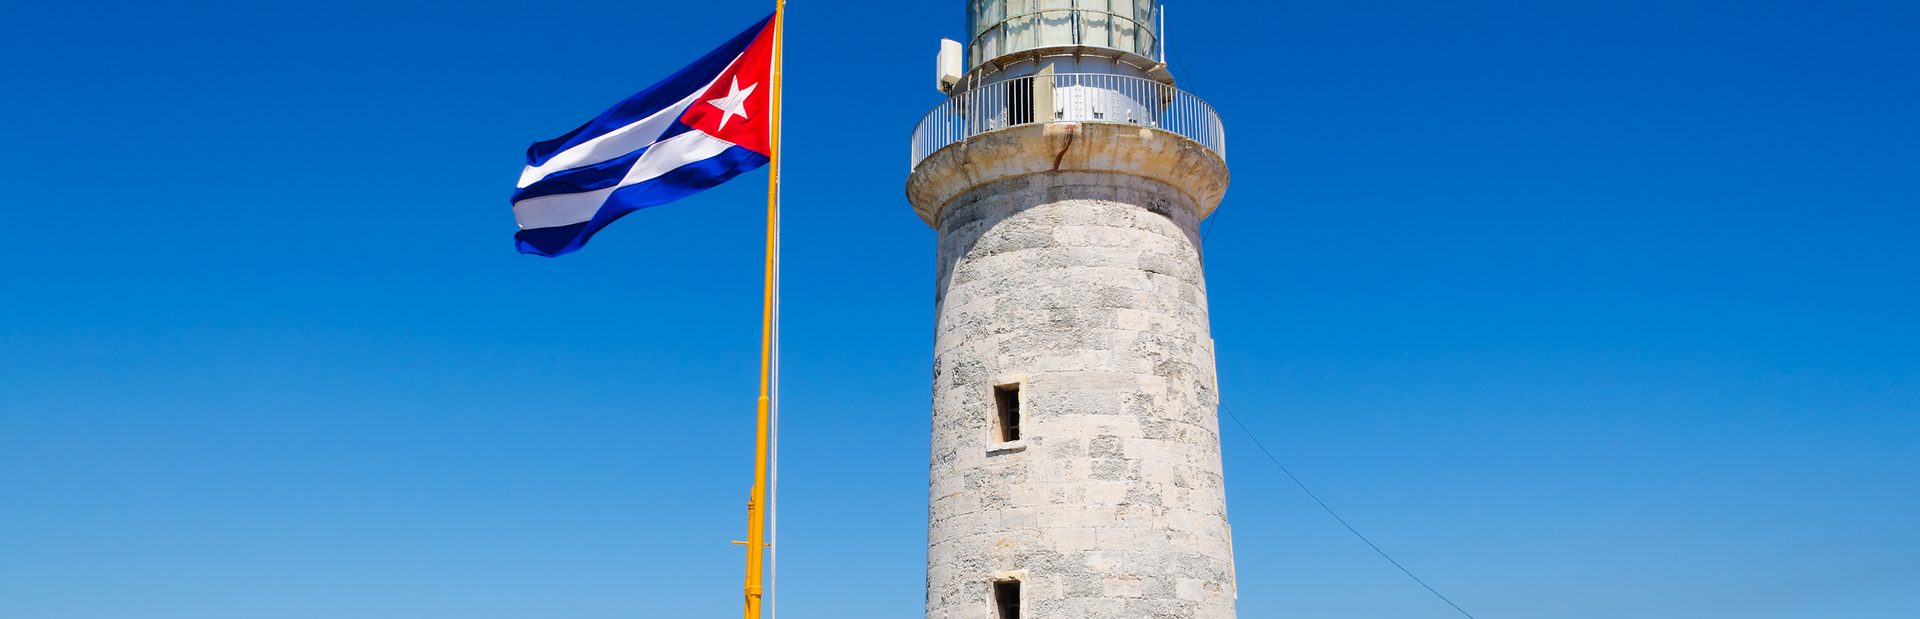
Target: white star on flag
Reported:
point(735, 103)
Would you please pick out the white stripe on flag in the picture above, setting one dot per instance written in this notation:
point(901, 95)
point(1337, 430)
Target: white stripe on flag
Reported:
point(571, 208)
point(614, 144)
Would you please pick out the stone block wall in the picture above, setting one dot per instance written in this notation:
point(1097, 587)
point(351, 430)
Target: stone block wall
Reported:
point(1086, 289)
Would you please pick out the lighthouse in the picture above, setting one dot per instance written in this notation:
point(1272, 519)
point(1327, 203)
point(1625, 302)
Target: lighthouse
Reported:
point(1075, 466)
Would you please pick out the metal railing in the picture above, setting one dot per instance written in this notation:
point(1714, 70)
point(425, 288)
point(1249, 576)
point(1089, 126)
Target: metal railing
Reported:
point(1067, 97)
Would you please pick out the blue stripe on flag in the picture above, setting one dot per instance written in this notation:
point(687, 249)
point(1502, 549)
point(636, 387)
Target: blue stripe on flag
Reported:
point(597, 176)
point(681, 182)
point(655, 98)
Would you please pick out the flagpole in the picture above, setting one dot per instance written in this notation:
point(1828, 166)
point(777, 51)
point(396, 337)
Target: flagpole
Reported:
point(757, 506)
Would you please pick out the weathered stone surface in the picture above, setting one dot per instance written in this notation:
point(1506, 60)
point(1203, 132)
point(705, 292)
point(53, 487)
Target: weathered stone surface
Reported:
point(1084, 285)
point(1192, 171)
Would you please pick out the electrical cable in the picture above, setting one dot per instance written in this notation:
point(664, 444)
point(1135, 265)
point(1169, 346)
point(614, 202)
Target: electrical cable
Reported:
point(1336, 516)
point(1187, 76)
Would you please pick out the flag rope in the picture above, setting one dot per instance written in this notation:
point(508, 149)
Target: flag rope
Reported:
point(773, 447)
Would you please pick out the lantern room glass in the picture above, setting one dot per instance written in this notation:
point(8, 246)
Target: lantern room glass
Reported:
point(1001, 27)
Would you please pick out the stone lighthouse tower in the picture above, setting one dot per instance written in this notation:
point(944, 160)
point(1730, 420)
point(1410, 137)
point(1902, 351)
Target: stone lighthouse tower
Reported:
point(1076, 451)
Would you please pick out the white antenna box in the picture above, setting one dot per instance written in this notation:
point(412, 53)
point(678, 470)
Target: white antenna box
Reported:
point(949, 64)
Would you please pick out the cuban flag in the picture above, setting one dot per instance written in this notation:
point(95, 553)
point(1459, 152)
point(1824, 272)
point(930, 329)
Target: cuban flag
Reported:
point(704, 125)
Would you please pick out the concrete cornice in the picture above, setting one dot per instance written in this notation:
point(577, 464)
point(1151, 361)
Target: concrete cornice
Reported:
point(1041, 148)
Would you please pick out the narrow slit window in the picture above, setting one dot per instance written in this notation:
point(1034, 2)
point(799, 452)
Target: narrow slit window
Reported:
point(1006, 405)
point(1006, 599)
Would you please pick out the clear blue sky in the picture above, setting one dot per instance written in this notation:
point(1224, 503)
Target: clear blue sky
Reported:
point(1585, 310)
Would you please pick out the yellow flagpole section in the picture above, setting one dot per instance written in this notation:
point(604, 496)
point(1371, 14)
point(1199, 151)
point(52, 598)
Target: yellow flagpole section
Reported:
point(756, 507)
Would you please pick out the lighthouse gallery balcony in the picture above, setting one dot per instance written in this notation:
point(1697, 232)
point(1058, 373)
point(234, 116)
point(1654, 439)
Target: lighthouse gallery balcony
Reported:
point(1067, 98)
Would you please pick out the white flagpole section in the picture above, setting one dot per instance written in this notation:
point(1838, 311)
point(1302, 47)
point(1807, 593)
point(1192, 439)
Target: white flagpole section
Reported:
point(773, 477)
